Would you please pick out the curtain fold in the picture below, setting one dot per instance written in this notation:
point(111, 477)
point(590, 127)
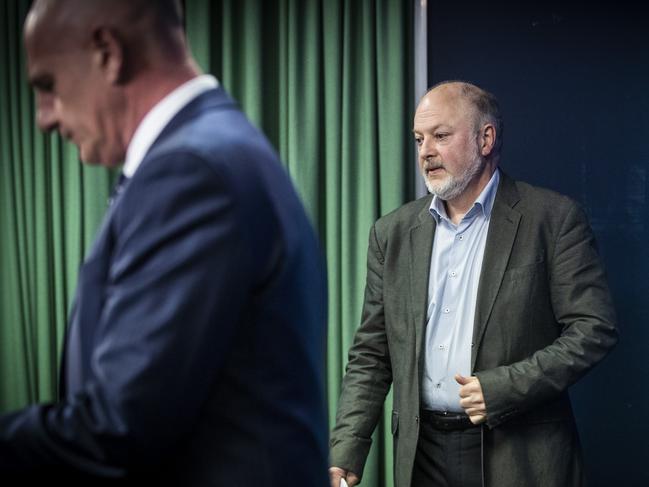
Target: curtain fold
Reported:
point(329, 82)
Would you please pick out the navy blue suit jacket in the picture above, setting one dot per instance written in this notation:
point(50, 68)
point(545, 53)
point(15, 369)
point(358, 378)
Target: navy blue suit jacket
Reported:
point(195, 349)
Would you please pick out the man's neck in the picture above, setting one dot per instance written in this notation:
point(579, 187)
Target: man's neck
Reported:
point(149, 89)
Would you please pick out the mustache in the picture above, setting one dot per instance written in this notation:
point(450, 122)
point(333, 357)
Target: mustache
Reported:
point(430, 165)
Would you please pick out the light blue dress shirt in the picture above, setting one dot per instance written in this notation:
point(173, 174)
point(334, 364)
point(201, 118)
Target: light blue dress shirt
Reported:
point(455, 268)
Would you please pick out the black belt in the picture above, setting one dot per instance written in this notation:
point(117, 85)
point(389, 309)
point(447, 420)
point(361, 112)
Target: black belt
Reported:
point(446, 421)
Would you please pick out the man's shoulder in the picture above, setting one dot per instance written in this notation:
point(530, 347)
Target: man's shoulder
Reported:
point(212, 125)
point(541, 200)
point(408, 211)
point(534, 192)
point(404, 217)
point(213, 132)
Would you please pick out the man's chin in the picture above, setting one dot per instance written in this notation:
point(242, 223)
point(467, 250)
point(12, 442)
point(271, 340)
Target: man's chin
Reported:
point(435, 186)
point(89, 162)
point(86, 156)
point(95, 159)
point(444, 192)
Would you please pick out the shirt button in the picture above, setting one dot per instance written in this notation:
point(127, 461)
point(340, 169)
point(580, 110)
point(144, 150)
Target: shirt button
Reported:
point(438, 386)
point(460, 237)
point(453, 274)
point(447, 310)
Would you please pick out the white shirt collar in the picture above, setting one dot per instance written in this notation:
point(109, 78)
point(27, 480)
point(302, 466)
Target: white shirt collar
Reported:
point(159, 116)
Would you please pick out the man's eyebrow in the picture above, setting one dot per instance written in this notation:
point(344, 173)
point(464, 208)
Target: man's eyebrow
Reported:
point(436, 127)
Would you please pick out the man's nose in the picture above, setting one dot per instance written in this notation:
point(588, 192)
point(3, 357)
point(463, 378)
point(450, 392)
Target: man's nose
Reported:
point(427, 148)
point(45, 120)
point(45, 115)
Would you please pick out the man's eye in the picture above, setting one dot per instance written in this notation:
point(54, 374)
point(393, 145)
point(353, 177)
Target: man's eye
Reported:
point(441, 136)
point(44, 85)
point(419, 140)
point(47, 87)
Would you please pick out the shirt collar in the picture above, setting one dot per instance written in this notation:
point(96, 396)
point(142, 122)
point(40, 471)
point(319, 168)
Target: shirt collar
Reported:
point(160, 115)
point(484, 202)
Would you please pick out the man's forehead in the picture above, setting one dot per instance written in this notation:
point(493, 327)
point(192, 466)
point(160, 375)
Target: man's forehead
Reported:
point(443, 102)
point(442, 97)
point(47, 52)
point(40, 35)
point(433, 109)
point(39, 48)
point(53, 24)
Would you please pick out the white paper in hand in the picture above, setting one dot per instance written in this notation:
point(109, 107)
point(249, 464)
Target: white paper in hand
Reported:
point(343, 483)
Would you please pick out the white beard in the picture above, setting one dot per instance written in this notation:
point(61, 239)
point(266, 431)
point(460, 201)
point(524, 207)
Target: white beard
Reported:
point(454, 186)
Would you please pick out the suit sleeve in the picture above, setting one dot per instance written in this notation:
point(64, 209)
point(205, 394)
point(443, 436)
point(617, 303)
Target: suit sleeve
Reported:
point(177, 281)
point(368, 375)
point(583, 311)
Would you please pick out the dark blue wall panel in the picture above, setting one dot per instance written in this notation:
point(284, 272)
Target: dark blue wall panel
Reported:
point(573, 83)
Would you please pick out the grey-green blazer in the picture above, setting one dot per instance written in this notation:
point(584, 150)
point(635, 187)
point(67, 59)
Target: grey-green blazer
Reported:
point(544, 317)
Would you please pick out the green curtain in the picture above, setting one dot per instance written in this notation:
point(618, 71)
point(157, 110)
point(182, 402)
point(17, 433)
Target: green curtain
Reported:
point(329, 82)
point(50, 207)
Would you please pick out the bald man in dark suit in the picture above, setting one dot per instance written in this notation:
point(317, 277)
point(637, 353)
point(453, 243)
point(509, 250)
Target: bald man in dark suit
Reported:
point(195, 348)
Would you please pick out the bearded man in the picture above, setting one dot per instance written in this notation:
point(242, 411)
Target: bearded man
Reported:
point(484, 302)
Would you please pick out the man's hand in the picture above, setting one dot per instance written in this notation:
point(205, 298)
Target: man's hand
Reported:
point(472, 399)
point(337, 473)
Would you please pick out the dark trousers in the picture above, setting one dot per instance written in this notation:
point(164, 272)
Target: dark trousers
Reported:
point(447, 458)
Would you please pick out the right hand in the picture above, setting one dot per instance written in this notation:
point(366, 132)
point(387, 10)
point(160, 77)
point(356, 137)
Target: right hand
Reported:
point(337, 473)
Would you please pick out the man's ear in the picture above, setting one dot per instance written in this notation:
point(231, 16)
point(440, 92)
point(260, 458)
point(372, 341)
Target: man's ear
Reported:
point(487, 139)
point(108, 54)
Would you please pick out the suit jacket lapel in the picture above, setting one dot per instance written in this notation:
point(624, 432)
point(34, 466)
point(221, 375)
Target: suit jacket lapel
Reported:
point(421, 247)
point(500, 240)
point(86, 309)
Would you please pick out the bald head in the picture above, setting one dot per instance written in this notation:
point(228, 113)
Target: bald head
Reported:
point(152, 28)
point(98, 66)
point(483, 104)
point(80, 12)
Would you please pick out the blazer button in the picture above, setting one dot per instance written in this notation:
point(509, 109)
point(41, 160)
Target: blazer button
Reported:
point(417, 419)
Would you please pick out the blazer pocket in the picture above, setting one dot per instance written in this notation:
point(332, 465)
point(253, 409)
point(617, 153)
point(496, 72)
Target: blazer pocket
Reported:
point(395, 422)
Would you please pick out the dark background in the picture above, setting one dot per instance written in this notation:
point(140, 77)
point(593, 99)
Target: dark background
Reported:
point(573, 84)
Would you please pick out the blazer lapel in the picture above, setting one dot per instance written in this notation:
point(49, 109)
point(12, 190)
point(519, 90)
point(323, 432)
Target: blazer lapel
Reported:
point(86, 309)
point(421, 247)
point(500, 240)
